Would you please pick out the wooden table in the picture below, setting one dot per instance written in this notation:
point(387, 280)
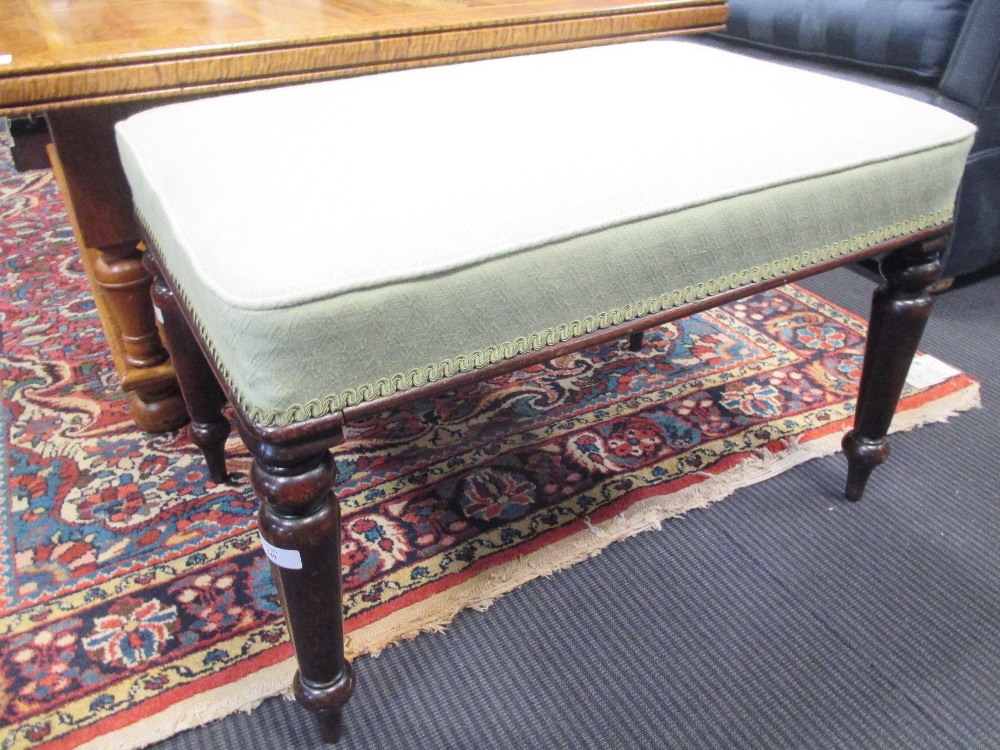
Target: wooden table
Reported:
point(87, 64)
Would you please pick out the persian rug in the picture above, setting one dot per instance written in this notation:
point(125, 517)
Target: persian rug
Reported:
point(135, 601)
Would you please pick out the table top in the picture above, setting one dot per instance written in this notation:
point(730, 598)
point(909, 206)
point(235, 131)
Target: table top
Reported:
point(68, 53)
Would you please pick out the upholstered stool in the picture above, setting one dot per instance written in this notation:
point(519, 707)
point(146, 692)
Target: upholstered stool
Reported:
point(417, 230)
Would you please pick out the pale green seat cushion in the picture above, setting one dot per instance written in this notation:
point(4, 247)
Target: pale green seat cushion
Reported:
point(343, 240)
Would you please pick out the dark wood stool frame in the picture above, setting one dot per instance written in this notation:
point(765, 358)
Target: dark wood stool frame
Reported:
point(293, 471)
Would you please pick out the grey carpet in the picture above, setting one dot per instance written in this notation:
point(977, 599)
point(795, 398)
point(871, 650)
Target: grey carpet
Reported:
point(782, 617)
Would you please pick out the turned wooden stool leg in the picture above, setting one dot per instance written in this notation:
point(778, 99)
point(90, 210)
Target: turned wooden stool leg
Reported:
point(300, 529)
point(900, 308)
point(203, 396)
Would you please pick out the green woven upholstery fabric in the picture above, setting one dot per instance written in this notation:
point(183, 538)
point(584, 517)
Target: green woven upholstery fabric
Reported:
point(417, 224)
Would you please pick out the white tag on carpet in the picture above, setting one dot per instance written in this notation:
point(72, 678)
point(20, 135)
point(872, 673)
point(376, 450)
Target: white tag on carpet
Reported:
point(928, 370)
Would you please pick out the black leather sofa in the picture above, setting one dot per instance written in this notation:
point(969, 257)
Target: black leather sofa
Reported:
point(945, 52)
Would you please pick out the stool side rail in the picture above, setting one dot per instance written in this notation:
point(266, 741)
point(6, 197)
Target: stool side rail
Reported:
point(329, 426)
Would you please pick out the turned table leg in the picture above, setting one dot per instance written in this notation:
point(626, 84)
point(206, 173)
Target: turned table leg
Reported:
point(125, 285)
point(85, 160)
point(900, 308)
point(300, 529)
point(203, 396)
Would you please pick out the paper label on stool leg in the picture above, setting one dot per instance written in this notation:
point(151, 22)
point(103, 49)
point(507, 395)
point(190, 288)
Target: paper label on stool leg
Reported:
point(159, 314)
point(283, 558)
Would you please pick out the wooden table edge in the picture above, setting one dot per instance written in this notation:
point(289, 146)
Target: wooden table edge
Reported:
point(35, 92)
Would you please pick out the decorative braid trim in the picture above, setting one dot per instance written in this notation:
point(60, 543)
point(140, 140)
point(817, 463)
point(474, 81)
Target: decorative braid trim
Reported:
point(478, 359)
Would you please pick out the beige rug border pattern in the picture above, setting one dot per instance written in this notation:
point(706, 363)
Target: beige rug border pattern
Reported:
point(436, 612)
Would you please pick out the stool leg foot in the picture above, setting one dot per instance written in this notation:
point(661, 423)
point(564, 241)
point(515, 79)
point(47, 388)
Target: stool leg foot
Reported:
point(203, 396)
point(211, 438)
point(330, 719)
point(900, 308)
point(300, 527)
point(635, 341)
point(330, 723)
point(862, 458)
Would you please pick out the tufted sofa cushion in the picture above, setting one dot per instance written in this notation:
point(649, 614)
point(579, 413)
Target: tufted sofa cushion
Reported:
point(428, 222)
point(909, 39)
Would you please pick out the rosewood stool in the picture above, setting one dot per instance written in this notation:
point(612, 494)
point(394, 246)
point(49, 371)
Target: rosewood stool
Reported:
point(427, 228)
